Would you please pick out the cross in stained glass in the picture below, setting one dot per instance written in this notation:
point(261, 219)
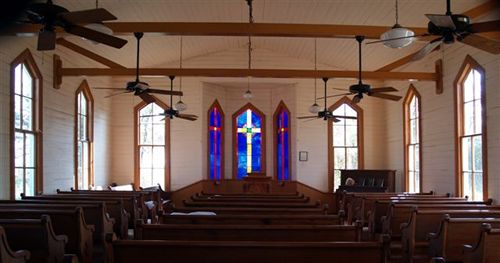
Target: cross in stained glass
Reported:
point(249, 130)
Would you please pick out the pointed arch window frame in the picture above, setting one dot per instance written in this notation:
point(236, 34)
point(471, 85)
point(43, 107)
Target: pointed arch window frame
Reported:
point(282, 107)
point(216, 105)
point(27, 59)
point(412, 92)
point(137, 175)
point(467, 66)
point(85, 90)
point(331, 165)
point(235, 138)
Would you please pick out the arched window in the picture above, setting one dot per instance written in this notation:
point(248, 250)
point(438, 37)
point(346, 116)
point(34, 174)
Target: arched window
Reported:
point(281, 124)
point(84, 127)
point(26, 117)
point(345, 141)
point(471, 131)
point(215, 142)
point(152, 135)
point(412, 141)
point(248, 141)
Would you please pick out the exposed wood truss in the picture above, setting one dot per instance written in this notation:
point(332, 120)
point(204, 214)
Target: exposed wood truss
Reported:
point(87, 53)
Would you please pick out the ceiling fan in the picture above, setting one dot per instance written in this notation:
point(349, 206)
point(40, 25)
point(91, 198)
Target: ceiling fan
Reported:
point(51, 16)
point(139, 88)
point(360, 89)
point(326, 114)
point(171, 112)
point(450, 27)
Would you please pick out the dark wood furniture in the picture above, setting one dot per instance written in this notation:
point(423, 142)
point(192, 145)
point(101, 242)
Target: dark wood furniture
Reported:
point(368, 180)
point(486, 249)
point(6, 253)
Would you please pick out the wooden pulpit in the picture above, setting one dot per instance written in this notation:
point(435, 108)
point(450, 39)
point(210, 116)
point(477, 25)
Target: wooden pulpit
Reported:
point(256, 182)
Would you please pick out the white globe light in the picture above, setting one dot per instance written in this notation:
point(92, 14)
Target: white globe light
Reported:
point(181, 106)
point(402, 37)
point(248, 95)
point(100, 28)
point(315, 108)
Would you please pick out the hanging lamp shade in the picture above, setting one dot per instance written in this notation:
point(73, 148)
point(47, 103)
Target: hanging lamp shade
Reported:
point(315, 108)
point(248, 94)
point(180, 106)
point(401, 37)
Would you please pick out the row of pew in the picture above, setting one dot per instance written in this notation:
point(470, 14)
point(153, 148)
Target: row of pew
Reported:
point(427, 227)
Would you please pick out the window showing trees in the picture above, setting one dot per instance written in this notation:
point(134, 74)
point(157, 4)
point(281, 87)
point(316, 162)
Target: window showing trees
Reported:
point(215, 142)
point(412, 140)
point(471, 139)
point(249, 141)
point(26, 145)
point(344, 140)
point(83, 140)
point(282, 143)
point(152, 145)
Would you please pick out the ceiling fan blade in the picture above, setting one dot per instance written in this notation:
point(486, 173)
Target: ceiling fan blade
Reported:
point(383, 89)
point(147, 98)
point(482, 43)
point(165, 92)
point(336, 95)
point(96, 36)
point(443, 21)
point(307, 117)
point(46, 40)
point(88, 16)
point(107, 88)
point(396, 38)
point(344, 117)
point(115, 94)
point(489, 26)
point(427, 49)
point(386, 96)
point(189, 117)
point(340, 89)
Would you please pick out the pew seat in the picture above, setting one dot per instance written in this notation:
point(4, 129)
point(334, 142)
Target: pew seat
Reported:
point(253, 219)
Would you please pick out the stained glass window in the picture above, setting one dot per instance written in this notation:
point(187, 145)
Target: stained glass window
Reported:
point(471, 114)
point(282, 143)
point(26, 124)
point(151, 148)
point(83, 137)
point(344, 139)
point(249, 141)
point(215, 142)
point(412, 140)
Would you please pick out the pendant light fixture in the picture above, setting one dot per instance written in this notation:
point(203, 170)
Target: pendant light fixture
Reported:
point(397, 36)
point(180, 105)
point(315, 108)
point(248, 94)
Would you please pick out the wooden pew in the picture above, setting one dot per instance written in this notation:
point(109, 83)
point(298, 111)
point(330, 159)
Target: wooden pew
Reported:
point(6, 253)
point(424, 221)
point(254, 195)
point(219, 232)
point(36, 236)
point(113, 208)
point(129, 204)
point(69, 223)
point(255, 211)
point(197, 197)
point(253, 219)
point(486, 249)
point(126, 251)
point(250, 204)
point(446, 244)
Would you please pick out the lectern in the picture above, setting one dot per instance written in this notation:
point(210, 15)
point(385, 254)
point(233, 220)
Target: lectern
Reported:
point(256, 183)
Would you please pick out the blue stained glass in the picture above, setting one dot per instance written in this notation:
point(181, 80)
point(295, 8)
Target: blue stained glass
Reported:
point(282, 146)
point(215, 144)
point(249, 143)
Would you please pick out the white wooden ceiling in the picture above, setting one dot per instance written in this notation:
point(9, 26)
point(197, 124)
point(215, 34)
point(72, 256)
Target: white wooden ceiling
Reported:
point(160, 50)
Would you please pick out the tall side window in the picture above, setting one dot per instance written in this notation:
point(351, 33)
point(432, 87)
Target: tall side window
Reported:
point(281, 124)
point(248, 141)
point(26, 146)
point(84, 124)
point(345, 138)
point(471, 131)
point(215, 142)
point(412, 140)
point(152, 145)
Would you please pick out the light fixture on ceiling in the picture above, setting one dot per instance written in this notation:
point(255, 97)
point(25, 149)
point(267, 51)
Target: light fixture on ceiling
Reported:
point(100, 27)
point(248, 94)
point(180, 105)
point(315, 108)
point(397, 36)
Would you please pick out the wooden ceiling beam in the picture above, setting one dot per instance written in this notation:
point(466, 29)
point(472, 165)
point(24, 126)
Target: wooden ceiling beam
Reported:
point(482, 9)
point(258, 73)
point(234, 29)
point(400, 62)
point(87, 53)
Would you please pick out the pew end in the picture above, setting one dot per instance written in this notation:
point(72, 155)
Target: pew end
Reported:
point(6, 253)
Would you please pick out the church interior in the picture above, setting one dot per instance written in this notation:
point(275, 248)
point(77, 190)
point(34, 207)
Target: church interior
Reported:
point(281, 130)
